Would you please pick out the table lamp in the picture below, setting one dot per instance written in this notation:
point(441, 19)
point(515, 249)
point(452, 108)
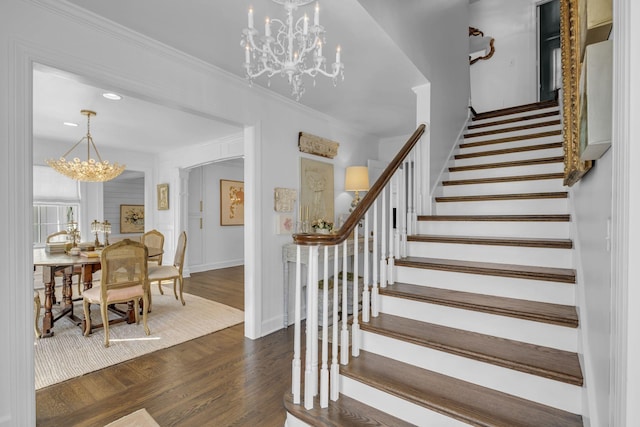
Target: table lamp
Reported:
point(96, 227)
point(356, 180)
point(106, 228)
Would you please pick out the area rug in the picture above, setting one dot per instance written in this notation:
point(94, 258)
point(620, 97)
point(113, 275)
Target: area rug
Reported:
point(139, 418)
point(68, 353)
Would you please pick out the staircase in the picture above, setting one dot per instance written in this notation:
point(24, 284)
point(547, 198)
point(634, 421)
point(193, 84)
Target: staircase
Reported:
point(480, 325)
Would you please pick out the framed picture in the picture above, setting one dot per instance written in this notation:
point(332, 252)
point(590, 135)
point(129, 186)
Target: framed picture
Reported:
point(131, 219)
point(231, 202)
point(284, 223)
point(316, 191)
point(163, 197)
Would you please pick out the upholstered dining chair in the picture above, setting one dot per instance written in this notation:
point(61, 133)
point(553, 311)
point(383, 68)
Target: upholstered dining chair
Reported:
point(171, 272)
point(154, 239)
point(124, 279)
point(61, 236)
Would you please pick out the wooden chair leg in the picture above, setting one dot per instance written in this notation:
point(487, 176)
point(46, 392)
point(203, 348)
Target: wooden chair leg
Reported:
point(87, 317)
point(160, 287)
point(180, 281)
point(36, 313)
point(105, 323)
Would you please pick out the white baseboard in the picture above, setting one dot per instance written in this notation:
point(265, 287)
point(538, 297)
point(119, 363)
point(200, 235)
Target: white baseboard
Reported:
point(215, 265)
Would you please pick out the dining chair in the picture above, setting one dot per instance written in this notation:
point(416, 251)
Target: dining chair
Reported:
point(124, 279)
point(61, 236)
point(171, 272)
point(36, 313)
point(154, 239)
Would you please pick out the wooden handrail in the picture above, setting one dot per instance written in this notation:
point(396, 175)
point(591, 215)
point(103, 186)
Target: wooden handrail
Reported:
point(309, 239)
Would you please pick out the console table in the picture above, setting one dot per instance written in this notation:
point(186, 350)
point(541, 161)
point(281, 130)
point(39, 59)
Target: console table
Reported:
point(289, 256)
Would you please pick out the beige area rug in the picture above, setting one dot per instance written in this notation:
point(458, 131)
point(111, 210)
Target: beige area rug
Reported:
point(69, 354)
point(139, 418)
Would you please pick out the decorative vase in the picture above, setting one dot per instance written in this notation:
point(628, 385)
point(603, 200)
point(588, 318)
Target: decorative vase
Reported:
point(322, 230)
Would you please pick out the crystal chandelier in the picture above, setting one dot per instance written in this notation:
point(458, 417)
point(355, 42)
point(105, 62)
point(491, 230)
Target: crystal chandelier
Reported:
point(89, 170)
point(290, 48)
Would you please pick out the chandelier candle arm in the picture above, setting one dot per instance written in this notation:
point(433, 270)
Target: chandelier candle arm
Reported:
point(291, 48)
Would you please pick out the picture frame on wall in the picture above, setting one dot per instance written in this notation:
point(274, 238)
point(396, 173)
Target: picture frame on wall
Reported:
point(131, 219)
point(231, 202)
point(163, 197)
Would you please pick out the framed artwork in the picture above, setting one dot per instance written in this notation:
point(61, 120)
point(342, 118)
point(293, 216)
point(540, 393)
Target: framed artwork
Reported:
point(316, 191)
point(131, 219)
point(163, 197)
point(285, 223)
point(231, 202)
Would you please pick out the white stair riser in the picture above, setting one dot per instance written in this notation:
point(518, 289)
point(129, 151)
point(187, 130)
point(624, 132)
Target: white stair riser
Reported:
point(510, 125)
point(504, 207)
point(515, 115)
point(551, 230)
point(507, 171)
point(511, 187)
point(509, 287)
point(508, 145)
point(516, 133)
point(396, 406)
point(560, 258)
point(531, 387)
point(538, 333)
point(530, 139)
point(292, 421)
point(510, 157)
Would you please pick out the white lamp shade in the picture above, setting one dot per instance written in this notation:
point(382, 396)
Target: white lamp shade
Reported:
point(356, 179)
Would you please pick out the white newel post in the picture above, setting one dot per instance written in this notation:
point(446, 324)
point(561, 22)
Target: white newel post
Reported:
point(366, 283)
point(374, 262)
point(355, 326)
point(296, 365)
point(344, 333)
point(383, 242)
point(423, 181)
point(324, 371)
point(335, 368)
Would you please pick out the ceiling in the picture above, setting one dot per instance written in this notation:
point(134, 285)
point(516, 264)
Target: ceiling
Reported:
point(375, 95)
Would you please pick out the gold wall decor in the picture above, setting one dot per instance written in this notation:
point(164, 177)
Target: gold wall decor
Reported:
point(574, 168)
point(131, 219)
point(316, 191)
point(284, 199)
point(312, 144)
point(163, 197)
point(231, 202)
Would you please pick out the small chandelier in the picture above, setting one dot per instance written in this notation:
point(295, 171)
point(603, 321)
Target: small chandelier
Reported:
point(89, 170)
point(291, 49)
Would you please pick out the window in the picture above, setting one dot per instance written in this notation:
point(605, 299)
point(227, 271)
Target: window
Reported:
point(56, 200)
point(50, 218)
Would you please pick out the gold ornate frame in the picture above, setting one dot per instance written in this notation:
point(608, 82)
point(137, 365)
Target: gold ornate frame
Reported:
point(574, 168)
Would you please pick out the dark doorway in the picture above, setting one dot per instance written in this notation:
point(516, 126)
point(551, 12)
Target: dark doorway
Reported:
point(549, 49)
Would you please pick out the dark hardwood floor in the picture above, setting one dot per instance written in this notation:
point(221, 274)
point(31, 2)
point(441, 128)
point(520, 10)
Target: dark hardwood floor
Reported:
point(221, 379)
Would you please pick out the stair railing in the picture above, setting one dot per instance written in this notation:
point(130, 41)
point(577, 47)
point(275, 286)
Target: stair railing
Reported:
point(393, 198)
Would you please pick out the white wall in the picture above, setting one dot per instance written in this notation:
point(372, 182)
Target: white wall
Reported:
point(121, 192)
point(434, 37)
point(509, 77)
point(219, 246)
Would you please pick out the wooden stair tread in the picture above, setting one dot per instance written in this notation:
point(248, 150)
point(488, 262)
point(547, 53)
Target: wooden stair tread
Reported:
point(514, 120)
point(514, 110)
point(511, 139)
point(497, 218)
point(494, 197)
point(528, 162)
point(514, 178)
point(555, 314)
point(546, 362)
point(343, 412)
point(493, 241)
point(512, 129)
point(523, 149)
point(551, 274)
point(458, 399)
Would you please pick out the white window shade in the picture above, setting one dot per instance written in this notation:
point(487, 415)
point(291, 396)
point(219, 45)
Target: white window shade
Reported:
point(50, 185)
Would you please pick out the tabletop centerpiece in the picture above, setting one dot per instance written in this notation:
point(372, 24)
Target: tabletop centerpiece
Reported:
point(322, 226)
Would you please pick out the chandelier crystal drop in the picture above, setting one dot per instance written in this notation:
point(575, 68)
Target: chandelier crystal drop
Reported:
point(291, 48)
point(87, 170)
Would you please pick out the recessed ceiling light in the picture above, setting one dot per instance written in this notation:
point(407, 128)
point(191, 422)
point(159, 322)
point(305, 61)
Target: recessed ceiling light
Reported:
point(112, 96)
point(70, 124)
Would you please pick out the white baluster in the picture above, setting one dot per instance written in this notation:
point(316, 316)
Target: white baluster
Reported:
point(314, 316)
point(392, 241)
point(344, 333)
point(335, 368)
point(366, 282)
point(374, 293)
point(403, 211)
point(308, 371)
point(383, 242)
point(355, 326)
point(324, 371)
point(296, 365)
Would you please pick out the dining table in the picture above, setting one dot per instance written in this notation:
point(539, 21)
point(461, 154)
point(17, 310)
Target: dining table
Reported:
point(64, 263)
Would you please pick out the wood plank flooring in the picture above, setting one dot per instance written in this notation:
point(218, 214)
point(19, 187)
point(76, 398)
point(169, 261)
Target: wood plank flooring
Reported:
point(221, 379)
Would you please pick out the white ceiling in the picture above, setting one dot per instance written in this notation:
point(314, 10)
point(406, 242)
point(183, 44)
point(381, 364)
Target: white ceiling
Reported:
point(375, 95)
